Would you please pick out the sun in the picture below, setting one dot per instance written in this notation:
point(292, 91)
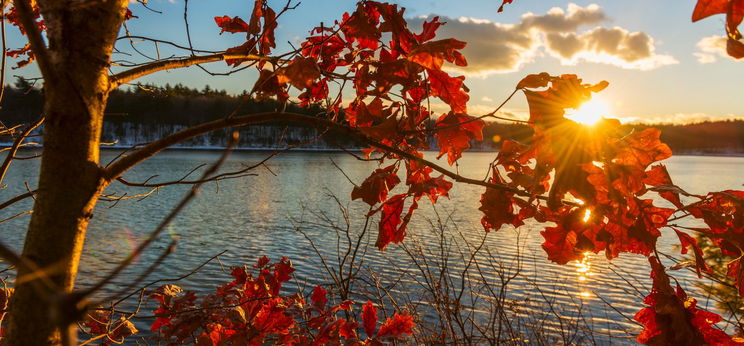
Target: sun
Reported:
point(590, 112)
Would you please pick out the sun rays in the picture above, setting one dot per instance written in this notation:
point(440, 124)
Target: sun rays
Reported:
point(590, 112)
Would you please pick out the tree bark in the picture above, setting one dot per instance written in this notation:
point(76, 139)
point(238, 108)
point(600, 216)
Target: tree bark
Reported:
point(76, 86)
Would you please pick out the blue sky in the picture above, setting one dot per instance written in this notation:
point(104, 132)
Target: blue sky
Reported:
point(661, 74)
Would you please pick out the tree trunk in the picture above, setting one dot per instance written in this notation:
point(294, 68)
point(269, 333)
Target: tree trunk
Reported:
point(76, 87)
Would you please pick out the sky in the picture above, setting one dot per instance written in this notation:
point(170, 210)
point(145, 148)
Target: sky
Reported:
point(660, 66)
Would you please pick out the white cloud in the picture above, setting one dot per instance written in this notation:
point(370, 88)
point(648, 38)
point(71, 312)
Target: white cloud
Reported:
point(499, 48)
point(711, 48)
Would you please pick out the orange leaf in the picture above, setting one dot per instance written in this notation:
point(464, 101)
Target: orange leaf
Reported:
point(301, 73)
point(432, 54)
point(533, 81)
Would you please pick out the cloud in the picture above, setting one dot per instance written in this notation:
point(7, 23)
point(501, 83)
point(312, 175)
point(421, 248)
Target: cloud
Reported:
point(558, 20)
point(614, 46)
point(711, 48)
point(498, 48)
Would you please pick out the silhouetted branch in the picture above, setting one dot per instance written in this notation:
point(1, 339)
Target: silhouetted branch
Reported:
point(163, 224)
point(115, 169)
point(16, 145)
point(160, 65)
point(17, 199)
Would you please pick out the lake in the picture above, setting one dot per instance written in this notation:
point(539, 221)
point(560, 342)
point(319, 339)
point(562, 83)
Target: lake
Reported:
point(260, 215)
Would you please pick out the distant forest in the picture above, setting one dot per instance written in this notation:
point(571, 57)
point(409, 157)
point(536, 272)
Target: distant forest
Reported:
point(144, 113)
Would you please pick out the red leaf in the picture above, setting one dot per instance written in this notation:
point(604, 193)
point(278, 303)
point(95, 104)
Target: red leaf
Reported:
point(319, 296)
point(348, 329)
point(497, 206)
point(266, 42)
point(643, 148)
point(395, 23)
point(387, 130)
point(454, 133)
point(736, 272)
point(576, 232)
point(129, 15)
point(232, 25)
point(658, 176)
point(734, 10)
point(301, 73)
point(397, 326)
point(687, 241)
point(268, 85)
point(369, 318)
point(504, 2)
point(432, 187)
point(389, 230)
point(735, 48)
point(451, 90)
point(560, 244)
point(243, 49)
point(429, 30)
point(255, 23)
point(362, 27)
point(707, 8)
point(431, 55)
point(375, 188)
point(666, 321)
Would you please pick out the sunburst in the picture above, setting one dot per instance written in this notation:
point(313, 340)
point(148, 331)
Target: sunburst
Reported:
point(590, 112)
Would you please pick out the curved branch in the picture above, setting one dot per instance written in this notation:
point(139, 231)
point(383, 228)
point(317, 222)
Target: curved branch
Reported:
point(117, 168)
point(160, 65)
point(16, 199)
point(137, 37)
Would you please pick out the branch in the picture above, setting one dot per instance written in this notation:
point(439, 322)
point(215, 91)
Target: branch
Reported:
point(117, 168)
point(16, 145)
point(16, 199)
point(163, 224)
point(160, 65)
point(25, 12)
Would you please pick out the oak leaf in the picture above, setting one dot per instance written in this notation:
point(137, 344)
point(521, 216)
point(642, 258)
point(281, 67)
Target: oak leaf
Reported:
point(454, 133)
point(231, 25)
point(301, 73)
point(369, 318)
point(396, 326)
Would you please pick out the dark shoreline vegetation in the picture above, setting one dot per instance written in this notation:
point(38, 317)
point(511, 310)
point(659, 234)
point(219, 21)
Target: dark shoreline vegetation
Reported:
point(144, 113)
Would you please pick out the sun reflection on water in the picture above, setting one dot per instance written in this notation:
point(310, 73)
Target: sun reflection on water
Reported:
point(584, 271)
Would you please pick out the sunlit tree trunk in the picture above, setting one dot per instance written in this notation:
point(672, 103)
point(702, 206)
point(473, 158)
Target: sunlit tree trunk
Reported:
point(80, 38)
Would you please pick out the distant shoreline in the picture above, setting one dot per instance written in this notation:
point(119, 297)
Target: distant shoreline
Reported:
point(359, 150)
point(335, 150)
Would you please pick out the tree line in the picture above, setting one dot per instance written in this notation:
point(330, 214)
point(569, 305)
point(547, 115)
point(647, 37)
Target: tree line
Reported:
point(149, 108)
